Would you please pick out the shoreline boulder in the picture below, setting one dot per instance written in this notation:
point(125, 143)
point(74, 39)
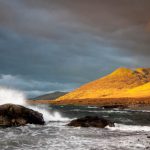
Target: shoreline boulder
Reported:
point(17, 115)
point(91, 121)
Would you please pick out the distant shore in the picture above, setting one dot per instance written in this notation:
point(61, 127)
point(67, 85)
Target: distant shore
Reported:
point(133, 103)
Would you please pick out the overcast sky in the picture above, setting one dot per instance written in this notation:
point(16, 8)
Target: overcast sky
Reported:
point(49, 45)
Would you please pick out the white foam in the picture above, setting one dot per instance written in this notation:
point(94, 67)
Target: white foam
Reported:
point(129, 128)
point(11, 96)
point(142, 110)
point(55, 116)
point(92, 107)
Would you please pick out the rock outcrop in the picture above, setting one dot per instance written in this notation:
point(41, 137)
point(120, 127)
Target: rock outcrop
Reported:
point(91, 121)
point(17, 115)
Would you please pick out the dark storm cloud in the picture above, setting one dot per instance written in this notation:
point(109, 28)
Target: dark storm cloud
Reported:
point(48, 45)
point(123, 23)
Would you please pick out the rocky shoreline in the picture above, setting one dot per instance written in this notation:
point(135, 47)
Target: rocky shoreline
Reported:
point(120, 103)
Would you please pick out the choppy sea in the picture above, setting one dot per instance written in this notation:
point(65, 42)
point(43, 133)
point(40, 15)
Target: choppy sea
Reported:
point(131, 131)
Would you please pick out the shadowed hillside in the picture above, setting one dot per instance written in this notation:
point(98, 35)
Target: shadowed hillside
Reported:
point(50, 96)
point(120, 84)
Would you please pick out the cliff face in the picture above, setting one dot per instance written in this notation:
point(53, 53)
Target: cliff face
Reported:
point(121, 83)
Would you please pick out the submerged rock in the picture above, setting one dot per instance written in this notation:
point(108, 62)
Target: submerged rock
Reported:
point(91, 121)
point(17, 115)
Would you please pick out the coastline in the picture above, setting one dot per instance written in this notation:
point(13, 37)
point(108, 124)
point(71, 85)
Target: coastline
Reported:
point(131, 103)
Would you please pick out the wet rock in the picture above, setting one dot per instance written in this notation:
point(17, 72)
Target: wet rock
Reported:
point(17, 115)
point(91, 121)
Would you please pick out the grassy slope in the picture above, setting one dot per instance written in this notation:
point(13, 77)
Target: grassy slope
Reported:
point(123, 86)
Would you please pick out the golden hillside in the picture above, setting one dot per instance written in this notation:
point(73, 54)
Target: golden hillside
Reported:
point(122, 83)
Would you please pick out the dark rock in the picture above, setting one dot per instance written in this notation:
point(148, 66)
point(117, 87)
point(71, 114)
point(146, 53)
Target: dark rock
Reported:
point(16, 115)
point(91, 121)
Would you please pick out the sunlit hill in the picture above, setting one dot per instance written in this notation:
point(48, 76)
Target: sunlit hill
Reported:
point(123, 86)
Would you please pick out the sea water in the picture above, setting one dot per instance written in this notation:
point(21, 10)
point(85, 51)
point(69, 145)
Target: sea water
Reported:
point(131, 131)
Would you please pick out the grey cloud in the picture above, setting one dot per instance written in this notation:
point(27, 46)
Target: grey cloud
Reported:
point(32, 87)
point(47, 60)
point(121, 22)
point(48, 45)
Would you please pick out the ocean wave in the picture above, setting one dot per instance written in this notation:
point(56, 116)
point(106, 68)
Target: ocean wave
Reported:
point(129, 128)
point(93, 107)
point(49, 116)
point(144, 111)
